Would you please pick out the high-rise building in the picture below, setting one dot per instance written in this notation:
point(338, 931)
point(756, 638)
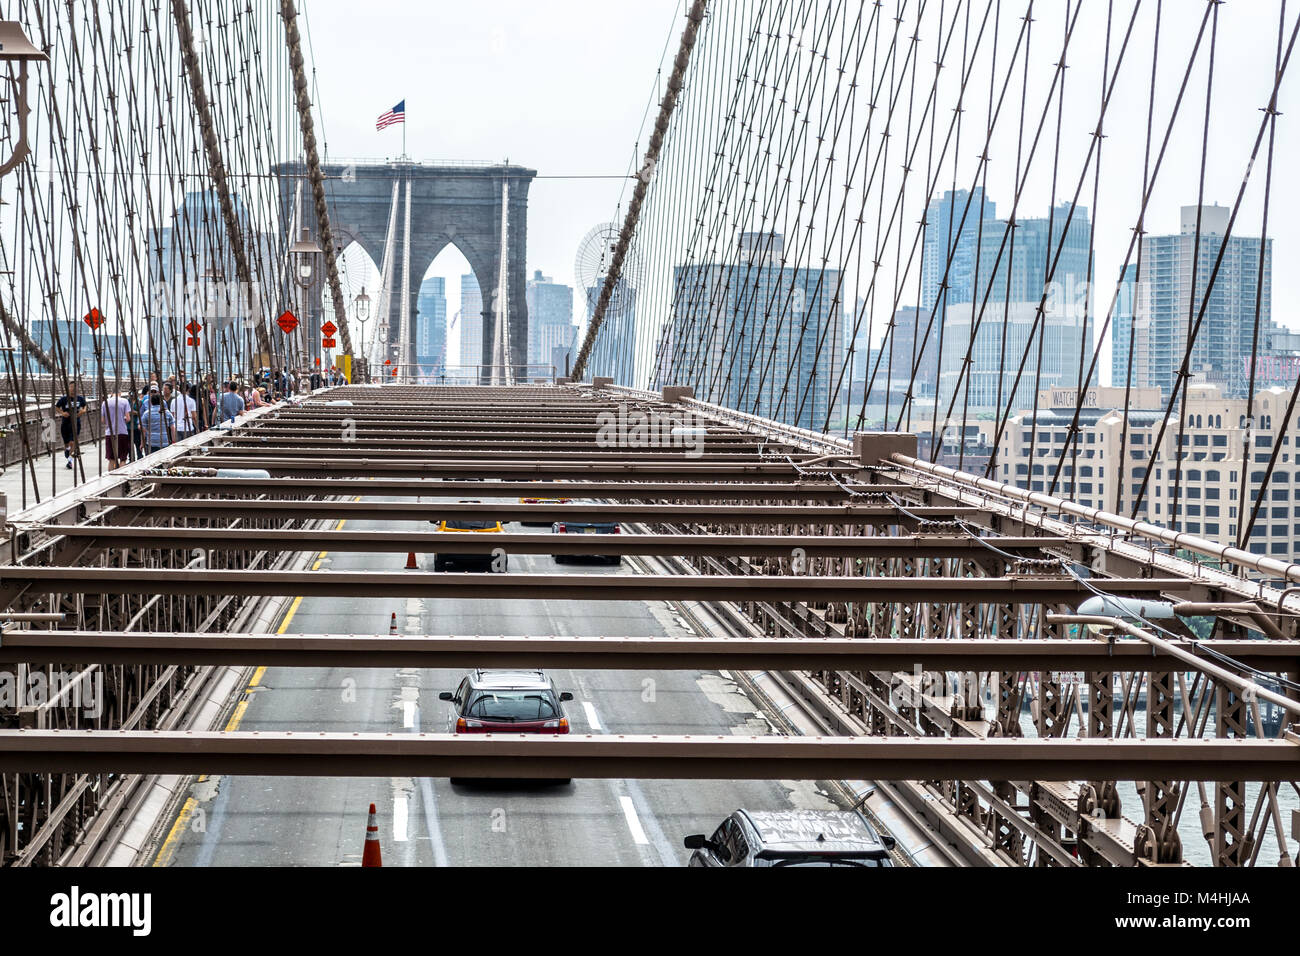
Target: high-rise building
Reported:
point(1054, 342)
point(759, 337)
point(947, 232)
point(1113, 454)
point(471, 327)
point(562, 356)
point(1011, 323)
point(191, 281)
point(431, 325)
point(614, 352)
point(909, 354)
point(1093, 472)
point(1121, 329)
point(550, 321)
point(81, 351)
point(1172, 294)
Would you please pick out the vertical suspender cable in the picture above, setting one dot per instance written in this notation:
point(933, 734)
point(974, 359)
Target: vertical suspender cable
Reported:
point(216, 167)
point(290, 16)
point(694, 18)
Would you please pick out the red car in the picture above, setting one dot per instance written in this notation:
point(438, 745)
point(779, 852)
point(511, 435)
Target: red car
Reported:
point(517, 702)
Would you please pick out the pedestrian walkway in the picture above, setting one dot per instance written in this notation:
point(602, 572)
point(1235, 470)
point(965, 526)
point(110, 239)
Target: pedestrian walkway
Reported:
point(51, 477)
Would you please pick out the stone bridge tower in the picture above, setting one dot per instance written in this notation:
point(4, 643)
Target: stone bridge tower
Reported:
point(456, 203)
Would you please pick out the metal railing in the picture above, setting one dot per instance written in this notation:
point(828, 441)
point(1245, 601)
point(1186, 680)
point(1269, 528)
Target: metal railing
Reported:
point(415, 374)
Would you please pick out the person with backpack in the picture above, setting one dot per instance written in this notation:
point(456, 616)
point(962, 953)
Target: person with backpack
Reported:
point(157, 425)
point(232, 405)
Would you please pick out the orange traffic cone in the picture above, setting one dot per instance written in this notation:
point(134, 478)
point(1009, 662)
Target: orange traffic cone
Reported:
point(392, 625)
point(370, 855)
point(411, 564)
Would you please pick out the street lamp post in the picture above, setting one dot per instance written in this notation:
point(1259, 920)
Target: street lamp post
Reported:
point(361, 304)
point(306, 251)
point(16, 48)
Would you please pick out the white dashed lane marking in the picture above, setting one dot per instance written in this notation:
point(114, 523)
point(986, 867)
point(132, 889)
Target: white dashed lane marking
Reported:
point(633, 822)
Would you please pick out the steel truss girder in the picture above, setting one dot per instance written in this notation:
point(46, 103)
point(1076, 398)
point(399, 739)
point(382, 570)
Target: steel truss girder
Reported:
point(576, 586)
point(622, 653)
point(637, 756)
point(568, 468)
point(618, 490)
point(622, 512)
point(429, 542)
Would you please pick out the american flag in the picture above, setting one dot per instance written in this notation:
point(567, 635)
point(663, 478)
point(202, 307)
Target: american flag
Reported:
point(396, 115)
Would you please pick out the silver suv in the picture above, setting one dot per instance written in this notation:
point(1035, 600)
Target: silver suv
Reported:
point(792, 838)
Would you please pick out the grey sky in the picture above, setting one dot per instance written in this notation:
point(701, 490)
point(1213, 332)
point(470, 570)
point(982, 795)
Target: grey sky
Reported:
point(558, 87)
point(563, 87)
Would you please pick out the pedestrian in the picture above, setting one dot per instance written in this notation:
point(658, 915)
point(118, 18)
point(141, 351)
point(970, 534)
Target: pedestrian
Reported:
point(315, 380)
point(256, 398)
point(71, 407)
point(231, 404)
point(202, 421)
point(157, 424)
point(137, 406)
point(183, 411)
point(115, 415)
point(212, 395)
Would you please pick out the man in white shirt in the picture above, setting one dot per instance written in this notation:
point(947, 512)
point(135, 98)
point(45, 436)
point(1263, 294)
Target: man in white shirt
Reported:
point(115, 413)
point(184, 412)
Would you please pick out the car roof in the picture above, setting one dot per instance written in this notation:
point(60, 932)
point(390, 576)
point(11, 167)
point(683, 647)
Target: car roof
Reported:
point(815, 831)
point(509, 679)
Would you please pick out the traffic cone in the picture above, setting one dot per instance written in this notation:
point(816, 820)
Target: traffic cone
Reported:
point(392, 625)
point(370, 855)
point(411, 564)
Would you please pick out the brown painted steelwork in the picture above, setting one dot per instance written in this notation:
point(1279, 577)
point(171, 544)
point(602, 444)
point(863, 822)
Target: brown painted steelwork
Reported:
point(619, 653)
point(631, 756)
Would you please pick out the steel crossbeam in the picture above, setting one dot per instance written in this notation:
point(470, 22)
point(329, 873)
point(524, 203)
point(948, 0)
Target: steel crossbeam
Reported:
point(509, 586)
point(635, 756)
point(623, 653)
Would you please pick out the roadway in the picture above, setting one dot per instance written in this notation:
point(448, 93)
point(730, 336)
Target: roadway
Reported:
point(274, 821)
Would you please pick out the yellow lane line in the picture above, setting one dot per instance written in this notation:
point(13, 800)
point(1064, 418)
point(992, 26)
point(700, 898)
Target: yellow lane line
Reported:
point(170, 845)
point(168, 850)
point(238, 715)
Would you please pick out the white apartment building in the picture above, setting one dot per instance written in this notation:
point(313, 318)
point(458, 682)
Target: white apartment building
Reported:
point(1105, 468)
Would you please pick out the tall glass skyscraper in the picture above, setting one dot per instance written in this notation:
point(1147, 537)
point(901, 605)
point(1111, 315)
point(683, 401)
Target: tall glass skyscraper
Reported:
point(614, 352)
point(1121, 328)
point(1167, 306)
point(550, 320)
point(431, 325)
point(471, 326)
point(993, 314)
point(184, 270)
point(758, 337)
point(947, 232)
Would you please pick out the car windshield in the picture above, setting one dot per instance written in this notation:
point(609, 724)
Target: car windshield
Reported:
point(512, 705)
point(465, 524)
